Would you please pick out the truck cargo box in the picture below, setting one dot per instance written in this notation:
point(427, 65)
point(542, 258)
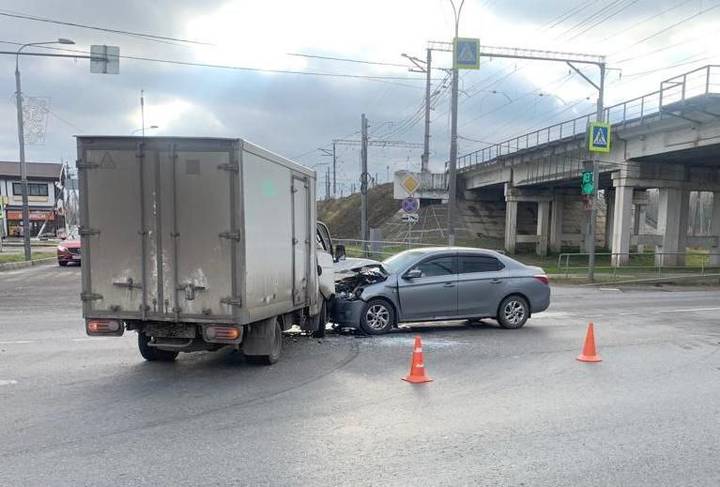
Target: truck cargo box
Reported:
point(194, 230)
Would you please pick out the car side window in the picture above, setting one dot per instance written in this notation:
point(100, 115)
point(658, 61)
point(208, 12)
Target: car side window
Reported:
point(440, 266)
point(479, 263)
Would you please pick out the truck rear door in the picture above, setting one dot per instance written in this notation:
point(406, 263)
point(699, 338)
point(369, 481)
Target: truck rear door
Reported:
point(162, 235)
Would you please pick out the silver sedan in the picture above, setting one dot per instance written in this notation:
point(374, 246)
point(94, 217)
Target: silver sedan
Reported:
point(433, 284)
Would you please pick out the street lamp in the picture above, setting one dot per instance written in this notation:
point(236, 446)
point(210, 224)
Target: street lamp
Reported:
point(452, 168)
point(21, 141)
point(143, 129)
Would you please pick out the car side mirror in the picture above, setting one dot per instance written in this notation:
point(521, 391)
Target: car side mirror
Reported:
point(413, 274)
point(339, 252)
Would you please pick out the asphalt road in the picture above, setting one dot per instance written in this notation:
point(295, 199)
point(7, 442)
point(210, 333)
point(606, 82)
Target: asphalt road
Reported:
point(505, 408)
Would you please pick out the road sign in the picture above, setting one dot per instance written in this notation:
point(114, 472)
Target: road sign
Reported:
point(410, 217)
point(587, 185)
point(105, 59)
point(466, 53)
point(410, 183)
point(599, 137)
point(410, 205)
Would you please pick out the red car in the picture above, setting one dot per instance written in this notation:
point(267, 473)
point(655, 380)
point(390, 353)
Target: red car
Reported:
point(68, 251)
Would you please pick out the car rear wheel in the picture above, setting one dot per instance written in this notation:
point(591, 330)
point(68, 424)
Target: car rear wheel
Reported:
point(152, 354)
point(513, 312)
point(378, 317)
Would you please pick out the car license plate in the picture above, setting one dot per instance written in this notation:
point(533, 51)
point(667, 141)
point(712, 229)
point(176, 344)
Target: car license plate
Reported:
point(76, 257)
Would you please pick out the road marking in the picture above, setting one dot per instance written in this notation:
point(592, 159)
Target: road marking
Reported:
point(16, 342)
point(88, 339)
point(685, 310)
point(610, 289)
point(7, 382)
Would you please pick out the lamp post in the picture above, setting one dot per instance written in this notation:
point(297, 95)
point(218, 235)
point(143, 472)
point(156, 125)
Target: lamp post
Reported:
point(21, 141)
point(452, 167)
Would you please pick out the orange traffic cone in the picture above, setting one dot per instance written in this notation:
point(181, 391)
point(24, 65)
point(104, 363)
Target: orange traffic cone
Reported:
point(589, 354)
point(417, 365)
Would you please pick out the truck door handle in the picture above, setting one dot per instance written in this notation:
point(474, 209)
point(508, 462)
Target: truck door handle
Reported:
point(449, 284)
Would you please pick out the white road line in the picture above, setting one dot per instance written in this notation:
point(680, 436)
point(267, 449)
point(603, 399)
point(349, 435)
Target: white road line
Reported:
point(686, 310)
point(7, 382)
point(610, 289)
point(16, 342)
point(88, 339)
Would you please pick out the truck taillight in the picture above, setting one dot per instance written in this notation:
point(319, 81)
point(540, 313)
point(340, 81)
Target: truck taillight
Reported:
point(104, 327)
point(543, 278)
point(222, 333)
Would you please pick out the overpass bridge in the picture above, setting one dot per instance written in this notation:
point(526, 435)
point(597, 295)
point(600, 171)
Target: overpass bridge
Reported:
point(668, 140)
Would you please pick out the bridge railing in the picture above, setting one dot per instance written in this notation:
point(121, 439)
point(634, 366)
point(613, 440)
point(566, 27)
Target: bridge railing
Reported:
point(698, 82)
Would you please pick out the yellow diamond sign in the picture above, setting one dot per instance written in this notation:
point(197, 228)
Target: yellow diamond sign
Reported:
point(410, 183)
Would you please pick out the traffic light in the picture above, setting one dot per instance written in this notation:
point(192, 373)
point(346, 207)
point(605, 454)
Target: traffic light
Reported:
point(587, 187)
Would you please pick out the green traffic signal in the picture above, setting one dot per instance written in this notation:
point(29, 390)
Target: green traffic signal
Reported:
point(587, 187)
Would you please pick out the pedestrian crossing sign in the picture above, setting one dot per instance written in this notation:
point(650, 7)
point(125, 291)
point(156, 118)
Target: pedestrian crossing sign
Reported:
point(599, 137)
point(466, 53)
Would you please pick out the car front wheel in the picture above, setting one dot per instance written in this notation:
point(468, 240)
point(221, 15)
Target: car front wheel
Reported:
point(378, 317)
point(514, 312)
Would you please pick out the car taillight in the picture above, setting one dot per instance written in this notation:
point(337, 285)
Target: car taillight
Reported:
point(543, 278)
point(104, 327)
point(222, 333)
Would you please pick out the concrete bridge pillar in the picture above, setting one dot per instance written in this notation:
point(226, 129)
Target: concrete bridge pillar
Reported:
point(556, 220)
point(715, 229)
point(511, 209)
point(622, 225)
point(673, 215)
point(543, 227)
point(609, 217)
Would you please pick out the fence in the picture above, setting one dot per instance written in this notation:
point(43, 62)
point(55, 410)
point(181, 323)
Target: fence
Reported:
point(645, 265)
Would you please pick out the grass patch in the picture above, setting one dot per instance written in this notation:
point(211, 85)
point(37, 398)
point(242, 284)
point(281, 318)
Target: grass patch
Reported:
point(20, 257)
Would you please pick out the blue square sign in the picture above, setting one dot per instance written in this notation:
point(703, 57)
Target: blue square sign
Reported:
point(466, 54)
point(599, 137)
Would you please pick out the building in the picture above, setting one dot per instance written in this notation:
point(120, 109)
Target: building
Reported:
point(45, 182)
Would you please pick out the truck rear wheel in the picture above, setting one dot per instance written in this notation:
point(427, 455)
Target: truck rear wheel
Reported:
point(321, 321)
point(152, 354)
point(275, 338)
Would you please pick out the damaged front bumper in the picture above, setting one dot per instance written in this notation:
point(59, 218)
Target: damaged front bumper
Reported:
point(346, 312)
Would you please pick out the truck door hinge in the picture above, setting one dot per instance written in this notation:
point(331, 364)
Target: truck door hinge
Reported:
point(229, 167)
point(230, 235)
point(90, 297)
point(231, 301)
point(87, 231)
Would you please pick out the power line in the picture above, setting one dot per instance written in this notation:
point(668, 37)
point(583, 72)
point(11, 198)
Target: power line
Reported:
point(34, 18)
point(240, 68)
point(349, 60)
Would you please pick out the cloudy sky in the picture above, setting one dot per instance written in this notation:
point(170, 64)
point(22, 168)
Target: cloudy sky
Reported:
point(295, 114)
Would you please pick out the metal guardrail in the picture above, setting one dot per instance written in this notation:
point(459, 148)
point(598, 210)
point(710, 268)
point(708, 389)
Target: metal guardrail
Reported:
point(702, 81)
point(654, 263)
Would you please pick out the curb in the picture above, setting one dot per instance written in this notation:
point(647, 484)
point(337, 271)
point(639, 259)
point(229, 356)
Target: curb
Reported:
point(9, 266)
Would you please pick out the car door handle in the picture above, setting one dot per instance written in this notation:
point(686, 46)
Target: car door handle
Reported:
point(496, 281)
point(449, 284)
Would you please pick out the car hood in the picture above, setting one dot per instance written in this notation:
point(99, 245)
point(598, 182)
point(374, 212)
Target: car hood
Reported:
point(70, 244)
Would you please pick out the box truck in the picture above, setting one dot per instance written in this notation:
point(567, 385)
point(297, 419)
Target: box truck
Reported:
point(200, 243)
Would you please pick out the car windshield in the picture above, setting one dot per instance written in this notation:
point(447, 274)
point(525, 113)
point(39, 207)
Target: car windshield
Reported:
point(400, 261)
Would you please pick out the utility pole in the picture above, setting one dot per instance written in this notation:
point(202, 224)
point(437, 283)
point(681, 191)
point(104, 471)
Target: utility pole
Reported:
point(334, 187)
point(142, 111)
point(427, 69)
point(452, 167)
point(364, 231)
point(425, 167)
point(596, 177)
